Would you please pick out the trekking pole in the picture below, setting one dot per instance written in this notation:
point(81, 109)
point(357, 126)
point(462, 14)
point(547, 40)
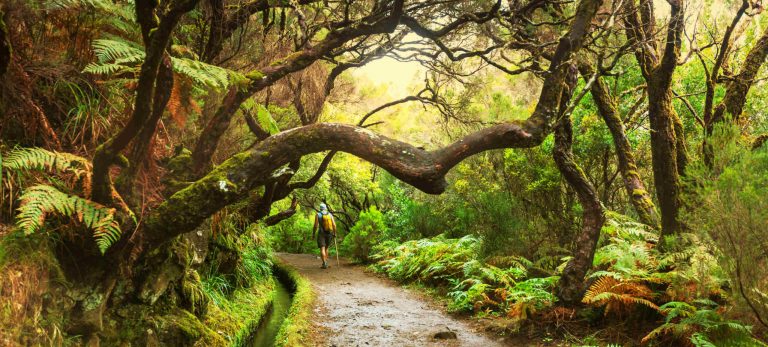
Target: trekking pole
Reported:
point(336, 242)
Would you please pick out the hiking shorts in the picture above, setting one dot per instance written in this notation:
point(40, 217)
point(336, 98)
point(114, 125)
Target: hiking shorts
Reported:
point(324, 239)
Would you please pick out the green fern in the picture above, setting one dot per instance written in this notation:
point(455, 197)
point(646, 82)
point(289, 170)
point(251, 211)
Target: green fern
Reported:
point(41, 200)
point(116, 55)
point(702, 327)
point(104, 5)
point(117, 16)
point(202, 73)
point(38, 159)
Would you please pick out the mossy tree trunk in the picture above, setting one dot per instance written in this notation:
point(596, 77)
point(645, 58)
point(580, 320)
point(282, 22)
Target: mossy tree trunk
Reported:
point(571, 285)
point(633, 183)
point(157, 25)
point(668, 150)
point(239, 176)
point(143, 144)
point(5, 45)
point(736, 95)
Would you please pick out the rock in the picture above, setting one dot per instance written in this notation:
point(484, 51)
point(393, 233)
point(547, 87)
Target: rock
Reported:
point(158, 280)
point(445, 335)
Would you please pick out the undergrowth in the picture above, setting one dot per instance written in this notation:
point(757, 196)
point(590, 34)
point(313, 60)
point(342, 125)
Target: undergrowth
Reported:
point(472, 285)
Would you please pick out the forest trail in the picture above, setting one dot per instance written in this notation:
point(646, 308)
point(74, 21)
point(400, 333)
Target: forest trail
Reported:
point(356, 308)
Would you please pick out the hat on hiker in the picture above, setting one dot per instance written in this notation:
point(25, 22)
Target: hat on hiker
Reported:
point(323, 207)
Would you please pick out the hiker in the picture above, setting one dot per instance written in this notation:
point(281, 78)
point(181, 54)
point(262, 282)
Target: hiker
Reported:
point(326, 231)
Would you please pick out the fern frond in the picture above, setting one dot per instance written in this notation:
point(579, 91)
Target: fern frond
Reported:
point(601, 285)
point(615, 293)
point(104, 5)
point(38, 159)
point(104, 68)
point(204, 74)
point(41, 200)
point(117, 51)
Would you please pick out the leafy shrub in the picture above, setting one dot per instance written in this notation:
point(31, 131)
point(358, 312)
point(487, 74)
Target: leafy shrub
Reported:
point(293, 235)
point(729, 201)
point(364, 234)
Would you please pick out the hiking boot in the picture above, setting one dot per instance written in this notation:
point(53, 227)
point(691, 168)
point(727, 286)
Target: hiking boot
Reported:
point(324, 266)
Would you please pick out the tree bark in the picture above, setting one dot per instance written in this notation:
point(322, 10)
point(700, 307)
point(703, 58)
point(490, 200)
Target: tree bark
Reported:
point(738, 87)
point(282, 215)
point(571, 285)
point(156, 36)
point(633, 184)
point(5, 45)
point(143, 144)
point(668, 151)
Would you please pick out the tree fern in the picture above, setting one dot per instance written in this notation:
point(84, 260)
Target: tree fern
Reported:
point(39, 201)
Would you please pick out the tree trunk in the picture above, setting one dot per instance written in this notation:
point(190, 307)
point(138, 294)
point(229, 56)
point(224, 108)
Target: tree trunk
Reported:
point(144, 140)
point(157, 35)
point(736, 95)
point(638, 195)
point(664, 157)
point(5, 45)
point(571, 285)
point(667, 141)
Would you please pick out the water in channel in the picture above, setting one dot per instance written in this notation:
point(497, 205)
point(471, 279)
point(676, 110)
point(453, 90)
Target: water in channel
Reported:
point(267, 332)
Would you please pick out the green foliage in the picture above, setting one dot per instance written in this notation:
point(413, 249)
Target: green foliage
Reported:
point(629, 269)
point(256, 256)
point(366, 233)
point(630, 273)
point(116, 55)
point(38, 159)
point(702, 326)
point(266, 121)
point(431, 261)
point(728, 204)
point(39, 201)
point(474, 286)
point(292, 235)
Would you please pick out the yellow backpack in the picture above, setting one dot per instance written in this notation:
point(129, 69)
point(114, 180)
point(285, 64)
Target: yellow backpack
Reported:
point(326, 222)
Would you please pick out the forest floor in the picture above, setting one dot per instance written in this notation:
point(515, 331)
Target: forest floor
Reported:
point(358, 308)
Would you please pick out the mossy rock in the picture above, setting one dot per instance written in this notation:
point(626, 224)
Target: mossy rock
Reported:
point(182, 328)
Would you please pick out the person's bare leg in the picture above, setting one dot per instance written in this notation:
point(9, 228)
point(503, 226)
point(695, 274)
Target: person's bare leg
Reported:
point(324, 254)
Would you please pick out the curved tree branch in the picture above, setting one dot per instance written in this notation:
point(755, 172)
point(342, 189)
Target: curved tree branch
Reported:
point(217, 126)
point(236, 177)
point(233, 179)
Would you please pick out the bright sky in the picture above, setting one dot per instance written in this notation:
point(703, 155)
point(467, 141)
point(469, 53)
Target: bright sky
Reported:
point(402, 78)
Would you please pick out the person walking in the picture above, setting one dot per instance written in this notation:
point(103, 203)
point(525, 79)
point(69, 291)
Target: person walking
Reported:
point(325, 225)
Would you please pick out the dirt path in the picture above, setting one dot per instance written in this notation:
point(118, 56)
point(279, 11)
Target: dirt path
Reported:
point(356, 308)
